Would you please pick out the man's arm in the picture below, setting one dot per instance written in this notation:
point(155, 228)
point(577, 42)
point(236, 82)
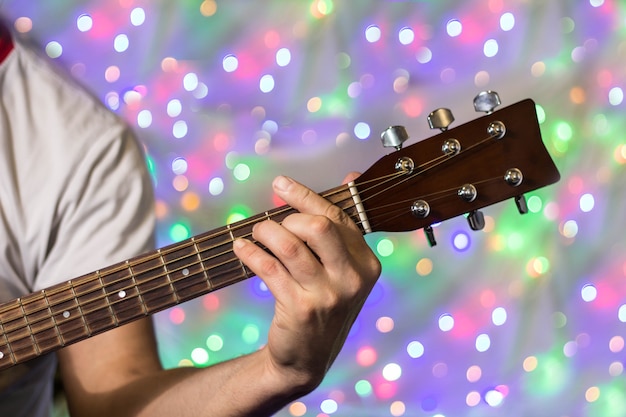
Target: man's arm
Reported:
point(320, 275)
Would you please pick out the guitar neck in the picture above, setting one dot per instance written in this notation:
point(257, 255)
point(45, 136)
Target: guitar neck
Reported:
point(69, 312)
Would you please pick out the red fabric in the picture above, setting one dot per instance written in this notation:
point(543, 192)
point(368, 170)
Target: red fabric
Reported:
point(6, 44)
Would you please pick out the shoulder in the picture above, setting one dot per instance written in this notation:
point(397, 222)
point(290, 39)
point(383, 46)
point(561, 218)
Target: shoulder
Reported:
point(38, 92)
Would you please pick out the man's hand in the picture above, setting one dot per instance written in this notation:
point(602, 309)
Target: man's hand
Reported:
point(321, 273)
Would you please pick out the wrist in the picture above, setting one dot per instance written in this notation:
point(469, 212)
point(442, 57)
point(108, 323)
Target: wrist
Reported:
point(290, 380)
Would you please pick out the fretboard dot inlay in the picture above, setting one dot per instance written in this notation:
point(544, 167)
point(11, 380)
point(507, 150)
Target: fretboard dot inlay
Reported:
point(185, 272)
point(66, 314)
point(1, 355)
point(122, 294)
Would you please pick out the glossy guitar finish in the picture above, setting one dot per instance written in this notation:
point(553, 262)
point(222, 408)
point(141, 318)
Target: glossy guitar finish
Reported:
point(483, 161)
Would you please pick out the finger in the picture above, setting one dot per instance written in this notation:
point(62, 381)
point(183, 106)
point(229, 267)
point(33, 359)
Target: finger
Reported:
point(290, 258)
point(322, 236)
point(351, 176)
point(289, 247)
point(266, 267)
point(307, 201)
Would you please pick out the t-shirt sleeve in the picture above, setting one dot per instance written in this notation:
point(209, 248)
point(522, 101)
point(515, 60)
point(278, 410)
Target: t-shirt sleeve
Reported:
point(77, 194)
point(105, 214)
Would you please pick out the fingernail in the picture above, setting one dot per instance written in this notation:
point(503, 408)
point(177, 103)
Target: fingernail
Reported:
point(282, 183)
point(239, 243)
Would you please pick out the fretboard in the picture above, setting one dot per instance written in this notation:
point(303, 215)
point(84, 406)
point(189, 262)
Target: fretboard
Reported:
point(66, 313)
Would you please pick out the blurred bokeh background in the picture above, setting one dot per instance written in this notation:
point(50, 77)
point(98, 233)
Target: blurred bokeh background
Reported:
point(525, 318)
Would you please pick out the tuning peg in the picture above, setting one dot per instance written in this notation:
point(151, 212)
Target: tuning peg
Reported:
point(394, 137)
point(476, 220)
point(440, 119)
point(430, 236)
point(486, 101)
point(520, 202)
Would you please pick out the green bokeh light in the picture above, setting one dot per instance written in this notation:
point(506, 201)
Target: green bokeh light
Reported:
point(179, 232)
point(560, 320)
point(215, 342)
point(515, 241)
point(385, 247)
point(343, 60)
point(241, 172)
point(363, 388)
point(611, 402)
point(250, 334)
point(534, 204)
point(200, 356)
point(325, 6)
point(237, 213)
point(564, 131)
point(541, 265)
point(551, 376)
point(562, 136)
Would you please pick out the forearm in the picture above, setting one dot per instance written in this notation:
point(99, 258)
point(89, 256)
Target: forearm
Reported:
point(245, 386)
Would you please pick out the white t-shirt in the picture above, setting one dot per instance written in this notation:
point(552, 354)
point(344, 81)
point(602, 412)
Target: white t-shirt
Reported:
point(75, 196)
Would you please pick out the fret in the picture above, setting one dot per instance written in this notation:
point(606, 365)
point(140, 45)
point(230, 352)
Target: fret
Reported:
point(93, 304)
point(28, 328)
point(7, 357)
point(223, 266)
point(277, 215)
point(40, 323)
point(54, 323)
point(19, 334)
point(97, 317)
point(80, 309)
point(168, 273)
point(144, 308)
point(66, 313)
point(187, 274)
point(233, 238)
point(121, 293)
point(6, 352)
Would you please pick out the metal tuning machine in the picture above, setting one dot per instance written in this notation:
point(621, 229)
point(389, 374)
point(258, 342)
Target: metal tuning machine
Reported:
point(486, 101)
point(394, 137)
point(440, 119)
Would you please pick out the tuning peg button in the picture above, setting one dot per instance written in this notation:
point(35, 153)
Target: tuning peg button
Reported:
point(440, 119)
point(394, 137)
point(476, 220)
point(520, 202)
point(486, 101)
point(430, 236)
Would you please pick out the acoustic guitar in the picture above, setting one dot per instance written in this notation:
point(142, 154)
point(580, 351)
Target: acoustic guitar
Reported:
point(497, 156)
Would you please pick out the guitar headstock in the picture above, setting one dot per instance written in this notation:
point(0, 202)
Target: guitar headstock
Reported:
point(461, 170)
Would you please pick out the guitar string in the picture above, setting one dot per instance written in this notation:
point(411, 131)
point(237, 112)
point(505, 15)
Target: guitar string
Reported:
point(337, 190)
